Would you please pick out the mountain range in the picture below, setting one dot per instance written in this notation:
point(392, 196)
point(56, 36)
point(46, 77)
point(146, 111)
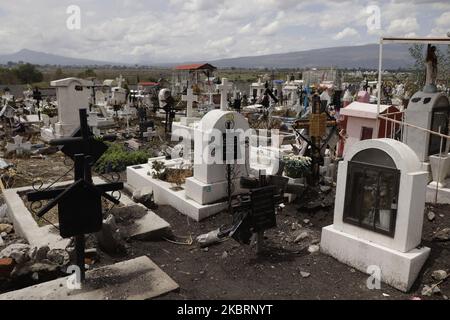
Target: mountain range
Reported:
point(365, 56)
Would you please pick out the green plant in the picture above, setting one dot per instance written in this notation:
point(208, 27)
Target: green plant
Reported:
point(296, 166)
point(117, 158)
point(159, 170)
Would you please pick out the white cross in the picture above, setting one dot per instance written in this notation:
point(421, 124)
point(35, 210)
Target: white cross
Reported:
point(120, 81)
point(190, 98)
point(224, 88)
point(18, 146)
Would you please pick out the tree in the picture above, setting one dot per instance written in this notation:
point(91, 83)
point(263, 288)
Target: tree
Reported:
point(28, 74)
point(58, 74)
point(88, 73)
point(417, 51)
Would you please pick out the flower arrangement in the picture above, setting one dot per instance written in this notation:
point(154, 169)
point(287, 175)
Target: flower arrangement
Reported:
point(296, 167)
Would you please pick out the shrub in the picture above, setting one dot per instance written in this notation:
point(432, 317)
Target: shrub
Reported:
point(117, 158)
point(296, 166)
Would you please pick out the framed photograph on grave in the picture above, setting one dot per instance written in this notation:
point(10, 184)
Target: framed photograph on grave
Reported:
point(372, 193)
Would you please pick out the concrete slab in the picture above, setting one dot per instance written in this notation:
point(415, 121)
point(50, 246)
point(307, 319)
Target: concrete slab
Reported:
point(146, 224)
point(149, 226)
point(443, 193)
point(138, 279)
point(399, 270)
point(138, 179)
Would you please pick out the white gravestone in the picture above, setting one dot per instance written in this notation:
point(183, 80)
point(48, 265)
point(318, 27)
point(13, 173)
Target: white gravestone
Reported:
point(190, 98)
point(429, 111)
point(209, 183)
point(72, 94)
point(18, 146)
point(379, 212)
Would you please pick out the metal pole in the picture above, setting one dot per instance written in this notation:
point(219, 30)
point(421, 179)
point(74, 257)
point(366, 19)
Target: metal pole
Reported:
point(439, 168)
point(380, 67)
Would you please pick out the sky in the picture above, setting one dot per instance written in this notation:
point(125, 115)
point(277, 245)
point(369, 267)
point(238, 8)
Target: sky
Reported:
point(156, 31)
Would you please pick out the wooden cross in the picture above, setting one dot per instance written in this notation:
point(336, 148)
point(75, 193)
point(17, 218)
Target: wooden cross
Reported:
point(79, 205)
point(190, 98)
point(224, 88)
point(316, 125)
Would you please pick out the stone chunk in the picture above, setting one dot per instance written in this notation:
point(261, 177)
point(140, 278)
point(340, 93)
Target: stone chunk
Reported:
point(18, 252)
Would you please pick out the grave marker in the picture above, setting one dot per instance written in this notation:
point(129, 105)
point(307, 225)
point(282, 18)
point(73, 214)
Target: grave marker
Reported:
point(77, 217)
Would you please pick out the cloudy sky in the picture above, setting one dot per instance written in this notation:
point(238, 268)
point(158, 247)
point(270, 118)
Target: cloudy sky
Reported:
point(185, 30)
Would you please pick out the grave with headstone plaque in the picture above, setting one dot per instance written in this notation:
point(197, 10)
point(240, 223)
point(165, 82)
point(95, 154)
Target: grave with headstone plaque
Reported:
point(379, 212)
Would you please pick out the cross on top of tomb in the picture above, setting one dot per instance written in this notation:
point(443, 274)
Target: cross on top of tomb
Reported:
point(190, 98)
point(224, 89)
point(120, 81)
point(18, 146)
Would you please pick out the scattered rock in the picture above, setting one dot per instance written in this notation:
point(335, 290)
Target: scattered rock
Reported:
point(301, 237)
point(305, 274)
point(443, 235)
point(428, 291)
point(18, 252)
point(306, 221)
point(3, 234)
point(39, 254)
point(314, 249)
point(439, 275)
point(3, 211)
point(2, 243)
point(177, 260)
point(59, 257)
point(6, 228)
point(110, 239)
point(325, 189)
point(431, 216)
point(91, 254)
point(225, 255)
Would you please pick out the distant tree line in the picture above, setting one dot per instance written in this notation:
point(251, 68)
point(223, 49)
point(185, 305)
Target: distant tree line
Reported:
point(20, 74)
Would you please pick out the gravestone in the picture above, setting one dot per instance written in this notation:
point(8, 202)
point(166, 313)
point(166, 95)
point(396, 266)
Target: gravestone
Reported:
point(379, 212)
point(430, 111)
point(220, 140)
point(72, 94)
point(19, 147)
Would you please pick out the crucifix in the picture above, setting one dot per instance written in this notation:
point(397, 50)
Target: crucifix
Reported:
point(224, 88)
point(190, 98)
point(316, 125)
point(80, 204)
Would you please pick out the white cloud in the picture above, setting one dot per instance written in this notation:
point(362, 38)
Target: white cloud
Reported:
point(346, 33)
point(197, 30)
point(402, 27)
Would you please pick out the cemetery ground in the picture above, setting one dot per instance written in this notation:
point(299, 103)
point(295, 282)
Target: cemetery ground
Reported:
point(285, 270)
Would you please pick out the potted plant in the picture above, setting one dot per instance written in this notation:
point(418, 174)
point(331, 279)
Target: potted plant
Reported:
point(296, 167)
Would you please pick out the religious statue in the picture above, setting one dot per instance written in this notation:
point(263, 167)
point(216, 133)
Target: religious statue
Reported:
point(432, 66)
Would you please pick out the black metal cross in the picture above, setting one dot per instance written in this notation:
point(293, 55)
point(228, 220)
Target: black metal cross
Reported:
point(79, 205)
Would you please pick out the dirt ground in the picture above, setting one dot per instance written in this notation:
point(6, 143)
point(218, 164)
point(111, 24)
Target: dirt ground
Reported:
point(231, 271)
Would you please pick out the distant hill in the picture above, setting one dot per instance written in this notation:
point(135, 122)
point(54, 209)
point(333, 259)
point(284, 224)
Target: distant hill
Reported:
point(366, 56)
point(42, 58)
point(395, 56)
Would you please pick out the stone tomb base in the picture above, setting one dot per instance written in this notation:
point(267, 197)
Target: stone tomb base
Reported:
point(138, 279)
point(164, 194)
point(398, 269)
point(149, 226)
